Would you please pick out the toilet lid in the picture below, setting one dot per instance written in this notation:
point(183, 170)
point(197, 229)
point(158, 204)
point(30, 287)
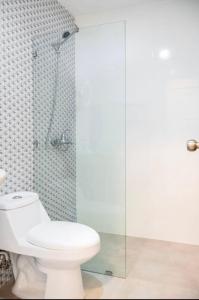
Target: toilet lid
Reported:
point(63, 236)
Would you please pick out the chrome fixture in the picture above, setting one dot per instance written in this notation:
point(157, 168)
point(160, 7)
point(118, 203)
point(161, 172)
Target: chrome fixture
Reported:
point(35, 54)
point(4, 260)
point(56, 143)
point(61, 143)
point(192, 145)
point(35, 144)
point(66, 35)
point(17, 197)
point(109, 273)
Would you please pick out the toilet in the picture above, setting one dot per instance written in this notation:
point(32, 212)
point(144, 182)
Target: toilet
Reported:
point(46, 255)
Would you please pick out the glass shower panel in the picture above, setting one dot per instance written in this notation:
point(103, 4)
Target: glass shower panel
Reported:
point(101, 203)
point(53, 116)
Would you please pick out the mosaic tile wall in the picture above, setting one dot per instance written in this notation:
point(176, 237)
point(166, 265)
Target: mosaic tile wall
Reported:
point(25, 107)
point(54, 169)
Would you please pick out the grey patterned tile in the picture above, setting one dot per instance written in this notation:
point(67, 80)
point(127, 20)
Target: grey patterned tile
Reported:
point(51, 174)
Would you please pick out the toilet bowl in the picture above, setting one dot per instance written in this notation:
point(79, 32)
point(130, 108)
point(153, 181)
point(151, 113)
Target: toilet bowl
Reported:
point(46, 255)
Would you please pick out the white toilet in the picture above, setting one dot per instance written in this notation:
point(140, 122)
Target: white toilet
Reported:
point(46, 255)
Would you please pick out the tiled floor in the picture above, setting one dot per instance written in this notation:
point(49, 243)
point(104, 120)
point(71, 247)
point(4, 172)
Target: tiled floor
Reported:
point(111, 257)
point(156, 270)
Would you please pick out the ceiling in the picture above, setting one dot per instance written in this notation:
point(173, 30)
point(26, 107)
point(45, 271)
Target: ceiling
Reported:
point(79, 7)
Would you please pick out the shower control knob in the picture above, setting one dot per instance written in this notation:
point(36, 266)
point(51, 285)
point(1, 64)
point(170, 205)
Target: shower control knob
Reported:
point(35, 144)
point(192, 145)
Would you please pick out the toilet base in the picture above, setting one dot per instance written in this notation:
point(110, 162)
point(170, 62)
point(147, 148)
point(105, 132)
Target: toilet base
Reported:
point(29, 281)
point(64, 284)
point(40, 280)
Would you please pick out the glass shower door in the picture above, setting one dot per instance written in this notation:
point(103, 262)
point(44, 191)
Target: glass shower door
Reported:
point(100, 137)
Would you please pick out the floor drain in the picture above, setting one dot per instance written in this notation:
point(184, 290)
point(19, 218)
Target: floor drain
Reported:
point(109, 273)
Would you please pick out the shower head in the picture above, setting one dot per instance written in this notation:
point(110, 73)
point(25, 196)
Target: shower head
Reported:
point(66, 35)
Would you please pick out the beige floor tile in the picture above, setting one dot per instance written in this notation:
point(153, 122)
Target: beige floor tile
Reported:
point(156, 270)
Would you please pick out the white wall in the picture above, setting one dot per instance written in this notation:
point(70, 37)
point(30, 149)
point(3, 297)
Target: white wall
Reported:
point(162, 113)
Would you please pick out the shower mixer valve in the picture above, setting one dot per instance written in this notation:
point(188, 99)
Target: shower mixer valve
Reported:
point(62, 142)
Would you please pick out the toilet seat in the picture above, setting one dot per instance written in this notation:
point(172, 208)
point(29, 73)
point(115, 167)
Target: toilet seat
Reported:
point(63, 236)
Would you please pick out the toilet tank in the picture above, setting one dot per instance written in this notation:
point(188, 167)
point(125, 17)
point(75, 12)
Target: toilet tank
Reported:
point(19, 212)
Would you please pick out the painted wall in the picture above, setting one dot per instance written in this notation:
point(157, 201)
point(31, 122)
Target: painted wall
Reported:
point(162, 114)
point(20, 22)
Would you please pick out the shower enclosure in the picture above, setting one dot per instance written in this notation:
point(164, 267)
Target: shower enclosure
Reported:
point(100, 69)
point(54, 124)
point(79, 134)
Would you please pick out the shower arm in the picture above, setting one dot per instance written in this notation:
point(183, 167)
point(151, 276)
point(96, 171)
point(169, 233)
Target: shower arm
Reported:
point(66, 36)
